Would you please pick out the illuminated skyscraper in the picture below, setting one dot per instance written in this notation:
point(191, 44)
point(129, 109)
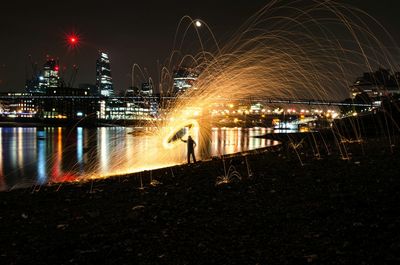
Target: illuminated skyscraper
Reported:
point(47, 78)
point(103, 76)
point(50, 73)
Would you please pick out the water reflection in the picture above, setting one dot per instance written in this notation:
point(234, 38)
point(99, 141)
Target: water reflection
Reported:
point(13, 148)
point(40, 155)
point(103, 149)
point(234, 140)
point(20, 141)
point(79, 148)
point(41, 164)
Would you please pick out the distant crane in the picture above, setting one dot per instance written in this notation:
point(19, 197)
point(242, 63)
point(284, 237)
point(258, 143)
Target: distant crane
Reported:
point(34, 68)
point(73, 76)
point(73, 41)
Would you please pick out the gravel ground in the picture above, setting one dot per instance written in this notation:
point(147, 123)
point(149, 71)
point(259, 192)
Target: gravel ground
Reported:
point(282, 206)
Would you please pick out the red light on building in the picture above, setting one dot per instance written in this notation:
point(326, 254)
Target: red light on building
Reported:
point(73, 40)
point(56, 68)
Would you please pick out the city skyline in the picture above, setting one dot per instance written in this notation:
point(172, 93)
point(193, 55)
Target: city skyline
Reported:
point(141, 33)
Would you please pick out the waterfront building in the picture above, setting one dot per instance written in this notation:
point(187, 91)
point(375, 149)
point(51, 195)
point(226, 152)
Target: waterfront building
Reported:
point(128, 109)
point(104, 81)
point(184, 79)
point(48, 77)
point(132, 92)
point(376, 84)
point(147, 89)
point(18, 105)
point(68, 103)
point(32, 85)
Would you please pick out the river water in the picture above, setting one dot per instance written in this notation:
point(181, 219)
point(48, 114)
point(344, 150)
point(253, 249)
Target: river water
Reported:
point(30, 156)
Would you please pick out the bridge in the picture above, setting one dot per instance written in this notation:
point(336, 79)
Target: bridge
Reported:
point(265, 101)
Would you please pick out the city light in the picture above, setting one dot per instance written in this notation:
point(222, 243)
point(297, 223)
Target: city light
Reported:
point(72, 40)
point(292, 133)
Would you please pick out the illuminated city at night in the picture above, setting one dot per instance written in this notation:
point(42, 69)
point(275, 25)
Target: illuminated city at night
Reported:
point(211, 132)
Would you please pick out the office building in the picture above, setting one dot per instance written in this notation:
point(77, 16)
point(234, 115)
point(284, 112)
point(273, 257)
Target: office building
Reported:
point(376, 84)
point(48, 77)
point(147, 89)
point(184, 78)
point(103, 76)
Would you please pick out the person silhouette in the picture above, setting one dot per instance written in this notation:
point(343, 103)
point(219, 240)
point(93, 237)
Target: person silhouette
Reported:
point(191, 144)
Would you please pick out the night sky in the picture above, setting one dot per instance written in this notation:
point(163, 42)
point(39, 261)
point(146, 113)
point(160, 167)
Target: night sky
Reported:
point(130, 31)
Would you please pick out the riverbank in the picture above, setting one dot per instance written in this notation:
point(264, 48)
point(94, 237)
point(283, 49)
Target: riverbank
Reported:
point(281, 206)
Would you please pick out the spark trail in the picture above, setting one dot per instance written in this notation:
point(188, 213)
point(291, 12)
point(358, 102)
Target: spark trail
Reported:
point(289, 49)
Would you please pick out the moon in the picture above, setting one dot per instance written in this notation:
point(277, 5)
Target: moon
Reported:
point(198, 23)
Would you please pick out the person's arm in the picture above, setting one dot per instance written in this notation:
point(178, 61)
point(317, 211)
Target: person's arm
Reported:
point(183, 140)
point(194, 144)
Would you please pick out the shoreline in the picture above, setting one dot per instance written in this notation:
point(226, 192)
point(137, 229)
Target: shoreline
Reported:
point(278, 206)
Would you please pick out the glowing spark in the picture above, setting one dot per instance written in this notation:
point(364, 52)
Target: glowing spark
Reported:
point(178, 131)
point(312, 54)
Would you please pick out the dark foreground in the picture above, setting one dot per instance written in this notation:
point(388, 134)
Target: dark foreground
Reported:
point(328, 211)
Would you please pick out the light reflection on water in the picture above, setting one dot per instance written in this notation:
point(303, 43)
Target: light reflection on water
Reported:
point(39, 155)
